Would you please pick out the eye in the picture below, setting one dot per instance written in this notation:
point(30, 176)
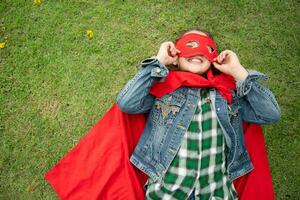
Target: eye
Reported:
point(192, 44)
point(210, 49)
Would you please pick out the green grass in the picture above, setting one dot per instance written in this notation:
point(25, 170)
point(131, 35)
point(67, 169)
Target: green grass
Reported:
point(55, 83)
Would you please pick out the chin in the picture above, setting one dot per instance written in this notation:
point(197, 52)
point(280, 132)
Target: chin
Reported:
point(201, 71)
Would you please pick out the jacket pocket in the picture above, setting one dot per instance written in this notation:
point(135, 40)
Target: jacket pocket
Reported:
point(166, 108)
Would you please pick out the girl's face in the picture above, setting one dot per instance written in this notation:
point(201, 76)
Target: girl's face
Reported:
point(195, 64)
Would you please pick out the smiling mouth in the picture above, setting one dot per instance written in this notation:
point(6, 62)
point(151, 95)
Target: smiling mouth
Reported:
point(196, 59)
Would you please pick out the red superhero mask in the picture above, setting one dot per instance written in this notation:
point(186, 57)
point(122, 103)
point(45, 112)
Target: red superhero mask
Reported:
point(193, 44)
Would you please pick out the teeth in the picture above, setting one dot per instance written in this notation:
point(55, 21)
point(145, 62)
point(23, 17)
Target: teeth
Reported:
point(196, 60)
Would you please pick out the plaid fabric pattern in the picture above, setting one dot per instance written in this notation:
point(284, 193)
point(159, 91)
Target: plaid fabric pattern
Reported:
point(200, 165)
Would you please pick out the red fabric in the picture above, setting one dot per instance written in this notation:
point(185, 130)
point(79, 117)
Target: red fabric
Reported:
point(200, 46)
point(175, 79)
point(258, 183)
point(98, 167)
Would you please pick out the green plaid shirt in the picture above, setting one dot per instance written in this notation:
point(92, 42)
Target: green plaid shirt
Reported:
point(200, 164)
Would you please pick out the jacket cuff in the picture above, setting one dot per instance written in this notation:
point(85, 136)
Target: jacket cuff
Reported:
point(243, 87)
point(159, 70)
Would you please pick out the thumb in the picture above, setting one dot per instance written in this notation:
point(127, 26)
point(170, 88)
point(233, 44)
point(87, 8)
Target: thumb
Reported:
point(218, 66)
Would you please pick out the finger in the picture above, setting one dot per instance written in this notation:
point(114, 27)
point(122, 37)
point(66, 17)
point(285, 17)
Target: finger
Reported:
point(166, 45)
point(172, 52)
point(169, 45)
point(176, 51)
point(168, 50)
point(220, 58)
point(172, 49)
point(226, 53)
point(218, 66)
point(223, 57)
point(227, 56)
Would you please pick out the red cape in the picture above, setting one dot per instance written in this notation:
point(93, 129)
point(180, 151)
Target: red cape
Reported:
point(98, 167)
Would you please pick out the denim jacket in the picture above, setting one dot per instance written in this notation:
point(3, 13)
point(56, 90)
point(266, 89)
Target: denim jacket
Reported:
point(170, 116)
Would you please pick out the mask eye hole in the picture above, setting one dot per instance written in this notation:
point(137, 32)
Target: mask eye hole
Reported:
point(192, 44)
point(210, 49)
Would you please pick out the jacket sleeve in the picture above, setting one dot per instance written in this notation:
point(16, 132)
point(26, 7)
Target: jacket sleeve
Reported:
point(258, 104)
point(134, 97)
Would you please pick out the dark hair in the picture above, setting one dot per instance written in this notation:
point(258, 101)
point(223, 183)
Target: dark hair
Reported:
point(181, 33)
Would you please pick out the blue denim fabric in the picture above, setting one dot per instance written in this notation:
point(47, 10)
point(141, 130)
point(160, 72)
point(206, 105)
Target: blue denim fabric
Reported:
point(192, 196)
point(170, 116)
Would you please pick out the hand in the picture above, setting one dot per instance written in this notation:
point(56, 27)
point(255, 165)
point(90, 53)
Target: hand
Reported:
point(228, 63)
point(167, 53)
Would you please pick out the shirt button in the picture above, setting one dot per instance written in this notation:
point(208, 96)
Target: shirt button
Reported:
point(218, 109)
point(158, 70)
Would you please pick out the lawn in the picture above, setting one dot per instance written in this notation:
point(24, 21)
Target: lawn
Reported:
point(55, 82)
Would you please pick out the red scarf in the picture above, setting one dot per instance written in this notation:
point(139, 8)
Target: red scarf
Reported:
point(175, 79)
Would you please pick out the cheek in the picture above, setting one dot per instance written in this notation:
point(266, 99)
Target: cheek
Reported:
point(206, 64)
point(184, 64)
point(205, 67)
